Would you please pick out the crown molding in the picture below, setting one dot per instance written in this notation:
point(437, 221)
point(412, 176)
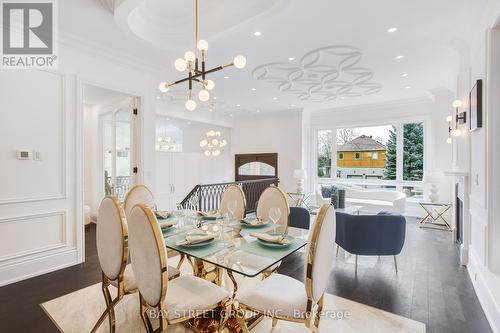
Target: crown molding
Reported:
point(376, 106)
point(88, 47)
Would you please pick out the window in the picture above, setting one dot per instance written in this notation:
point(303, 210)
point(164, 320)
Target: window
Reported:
point(363, 150)
point(324, 157)
point(391, 154)
point(256, 169)
point(413, 145)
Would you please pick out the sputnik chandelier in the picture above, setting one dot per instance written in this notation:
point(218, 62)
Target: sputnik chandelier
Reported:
point(196, 72)
point(213, 143)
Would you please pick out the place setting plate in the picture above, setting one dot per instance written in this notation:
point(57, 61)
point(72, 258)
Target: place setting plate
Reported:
point(289, 241)
point(264, 222)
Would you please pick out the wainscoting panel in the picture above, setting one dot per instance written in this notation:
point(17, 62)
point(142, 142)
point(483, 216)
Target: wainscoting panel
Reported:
point(34, 102)
point(32, 234)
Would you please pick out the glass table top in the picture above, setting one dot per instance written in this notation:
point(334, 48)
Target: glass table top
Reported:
point(234, 248)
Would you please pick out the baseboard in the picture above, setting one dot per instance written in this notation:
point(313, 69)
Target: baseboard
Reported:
point(29, 268)
point(485, 284)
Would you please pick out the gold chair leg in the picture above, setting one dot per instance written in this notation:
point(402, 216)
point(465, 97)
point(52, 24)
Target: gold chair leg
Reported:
point(317, 315)
point(109, 311)
point(275, 321)
point(144, 316)
point(226, 308)
point(396, 265)
point(240, 317)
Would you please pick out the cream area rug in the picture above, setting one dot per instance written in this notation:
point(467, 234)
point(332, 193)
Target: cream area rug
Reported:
point(78, 311)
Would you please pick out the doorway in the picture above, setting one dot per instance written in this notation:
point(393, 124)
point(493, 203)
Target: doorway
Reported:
point(109, 140)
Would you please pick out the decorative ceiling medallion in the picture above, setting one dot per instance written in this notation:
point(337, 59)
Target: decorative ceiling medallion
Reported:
point(324, 74)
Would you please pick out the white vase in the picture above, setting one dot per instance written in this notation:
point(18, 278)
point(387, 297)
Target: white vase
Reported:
point(434, 196)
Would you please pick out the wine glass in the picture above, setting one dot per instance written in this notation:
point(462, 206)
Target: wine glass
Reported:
point(231, 207)
point(274, 214)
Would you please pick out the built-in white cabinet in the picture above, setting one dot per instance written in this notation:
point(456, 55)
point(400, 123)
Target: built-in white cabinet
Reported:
point(178, 173)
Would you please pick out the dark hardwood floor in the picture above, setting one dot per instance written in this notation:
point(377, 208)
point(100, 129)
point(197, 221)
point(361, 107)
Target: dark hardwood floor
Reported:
point(430, 287)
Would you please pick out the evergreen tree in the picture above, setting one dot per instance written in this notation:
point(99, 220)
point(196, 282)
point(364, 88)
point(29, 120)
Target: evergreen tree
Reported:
point(390, 156)
point(413, 160)
point(413, 154)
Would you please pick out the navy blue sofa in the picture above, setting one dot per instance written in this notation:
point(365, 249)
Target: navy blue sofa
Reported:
point(371, 235)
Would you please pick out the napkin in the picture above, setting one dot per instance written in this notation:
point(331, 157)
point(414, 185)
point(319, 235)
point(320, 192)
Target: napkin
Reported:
point(213, 214)
point(162, 214)
point(277, 239)
point(194, 239)
point(256, 221)
point(167, 224)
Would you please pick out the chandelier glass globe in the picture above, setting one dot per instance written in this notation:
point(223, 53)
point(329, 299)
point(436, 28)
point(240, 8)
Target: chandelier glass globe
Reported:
point(209, 84)
point(163, 87)
point(213, 143)
point(240, 61)
point(189, 56)
point(204, 95)
point(190, 105)
point(202, 45)
point(180, 64)
point(208, 153)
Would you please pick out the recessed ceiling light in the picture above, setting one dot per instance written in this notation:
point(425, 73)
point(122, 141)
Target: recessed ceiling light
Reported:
point(210, 110)
point(404, 75)
point(214, 97)
point(238, 105)
point(226, 77)
point(257, 34)
point(408, 87)
point(393, 29)
point(342, 97)
point(275, 98)
point(399, 57)
point(231, 115)
point(291, 58)
point(257, 111)
point(292, 105)
point(253, 89)
point(158, 97)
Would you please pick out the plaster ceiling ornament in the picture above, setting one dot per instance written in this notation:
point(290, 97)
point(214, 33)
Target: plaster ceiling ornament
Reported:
point(324, 74)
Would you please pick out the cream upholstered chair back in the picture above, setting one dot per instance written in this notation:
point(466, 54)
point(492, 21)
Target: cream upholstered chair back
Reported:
point(234, 192)
point(138, 194)
point(320, 252)
point(148, 254)
point(273, 196)
point(111, 235)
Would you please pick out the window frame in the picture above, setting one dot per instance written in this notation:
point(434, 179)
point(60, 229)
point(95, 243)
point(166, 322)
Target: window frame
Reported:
point(357, 155)
point(340, 153)
point(399, 183)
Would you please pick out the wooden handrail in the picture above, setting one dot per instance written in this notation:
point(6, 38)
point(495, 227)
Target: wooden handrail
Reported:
point(206, 197)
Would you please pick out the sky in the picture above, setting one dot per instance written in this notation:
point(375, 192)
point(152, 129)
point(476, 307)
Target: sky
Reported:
point(377, 132)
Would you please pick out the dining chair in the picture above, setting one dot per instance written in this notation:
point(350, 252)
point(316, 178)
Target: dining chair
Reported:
point(284, 298)
point(272, 197)
point(112, 251)
point(138, 194)
point(173, 301)
point(234, 192)
point(142, 194)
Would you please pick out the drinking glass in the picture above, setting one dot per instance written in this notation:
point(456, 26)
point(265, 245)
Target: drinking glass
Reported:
point(275, 214)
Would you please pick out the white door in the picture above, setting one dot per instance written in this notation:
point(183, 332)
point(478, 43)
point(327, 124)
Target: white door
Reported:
point(119, 162)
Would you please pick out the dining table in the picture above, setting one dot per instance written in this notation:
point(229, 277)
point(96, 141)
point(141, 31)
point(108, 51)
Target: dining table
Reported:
point(233, 250)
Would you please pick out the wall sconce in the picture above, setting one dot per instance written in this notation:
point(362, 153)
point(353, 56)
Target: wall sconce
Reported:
point(460, 118)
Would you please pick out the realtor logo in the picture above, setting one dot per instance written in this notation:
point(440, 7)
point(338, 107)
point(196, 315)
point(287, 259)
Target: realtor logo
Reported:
point(28, 34)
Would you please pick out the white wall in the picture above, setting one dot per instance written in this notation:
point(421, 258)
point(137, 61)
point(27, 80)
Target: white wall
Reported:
point(279, 132)
point(41, 227)
point(477, 153)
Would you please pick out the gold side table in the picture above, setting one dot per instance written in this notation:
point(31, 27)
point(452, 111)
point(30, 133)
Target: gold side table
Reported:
point(434, 218)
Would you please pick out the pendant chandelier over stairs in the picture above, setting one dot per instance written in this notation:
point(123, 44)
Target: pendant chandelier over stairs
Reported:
point(197, 73)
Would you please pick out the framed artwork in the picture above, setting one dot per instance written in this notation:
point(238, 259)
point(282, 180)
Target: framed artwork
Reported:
point(476, 106)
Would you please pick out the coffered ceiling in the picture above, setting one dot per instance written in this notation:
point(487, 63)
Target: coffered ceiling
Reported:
point(312, 54)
